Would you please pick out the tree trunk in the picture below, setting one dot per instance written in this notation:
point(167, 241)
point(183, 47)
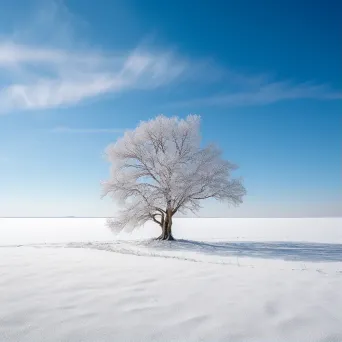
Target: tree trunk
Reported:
point(167, 229)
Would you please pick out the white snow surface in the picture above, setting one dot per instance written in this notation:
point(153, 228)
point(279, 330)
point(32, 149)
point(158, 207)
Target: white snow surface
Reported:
point(223, 280)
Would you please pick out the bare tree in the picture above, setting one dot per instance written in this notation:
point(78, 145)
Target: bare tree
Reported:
point(160, 169)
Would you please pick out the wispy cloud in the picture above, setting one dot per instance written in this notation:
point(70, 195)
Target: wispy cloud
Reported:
point(65, 129)
point(36, 76)
point(267, 93)
point(64, 77)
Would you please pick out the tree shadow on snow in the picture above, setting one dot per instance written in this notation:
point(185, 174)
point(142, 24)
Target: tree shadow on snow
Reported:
point(290, 251)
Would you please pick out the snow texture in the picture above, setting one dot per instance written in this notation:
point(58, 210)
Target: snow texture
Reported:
point(247, 280)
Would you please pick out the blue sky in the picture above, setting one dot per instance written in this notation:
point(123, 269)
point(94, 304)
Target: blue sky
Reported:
point(265, 76)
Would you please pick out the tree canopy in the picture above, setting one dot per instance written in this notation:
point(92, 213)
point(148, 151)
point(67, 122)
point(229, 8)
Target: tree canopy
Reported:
point(160, 169)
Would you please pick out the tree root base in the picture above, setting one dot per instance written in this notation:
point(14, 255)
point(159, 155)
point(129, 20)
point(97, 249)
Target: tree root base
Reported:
point(165, 238)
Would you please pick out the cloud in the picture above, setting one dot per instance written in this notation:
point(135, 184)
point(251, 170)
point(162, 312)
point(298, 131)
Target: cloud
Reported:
point(65, 129)
point(66, 78)
point(267, 93)
point(46, 64)
point(64, 72)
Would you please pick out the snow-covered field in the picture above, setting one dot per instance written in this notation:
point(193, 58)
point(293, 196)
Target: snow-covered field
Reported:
point(247, 280)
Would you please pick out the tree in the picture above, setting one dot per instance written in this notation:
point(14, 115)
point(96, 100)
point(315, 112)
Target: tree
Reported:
point(160, 169)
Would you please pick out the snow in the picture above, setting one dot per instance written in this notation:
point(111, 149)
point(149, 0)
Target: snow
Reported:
point(248, 280)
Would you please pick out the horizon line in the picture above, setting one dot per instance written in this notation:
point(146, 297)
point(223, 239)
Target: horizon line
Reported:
point(202, 217)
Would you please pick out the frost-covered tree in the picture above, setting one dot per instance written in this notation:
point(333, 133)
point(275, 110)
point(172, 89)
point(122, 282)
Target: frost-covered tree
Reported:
point(160, 169)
